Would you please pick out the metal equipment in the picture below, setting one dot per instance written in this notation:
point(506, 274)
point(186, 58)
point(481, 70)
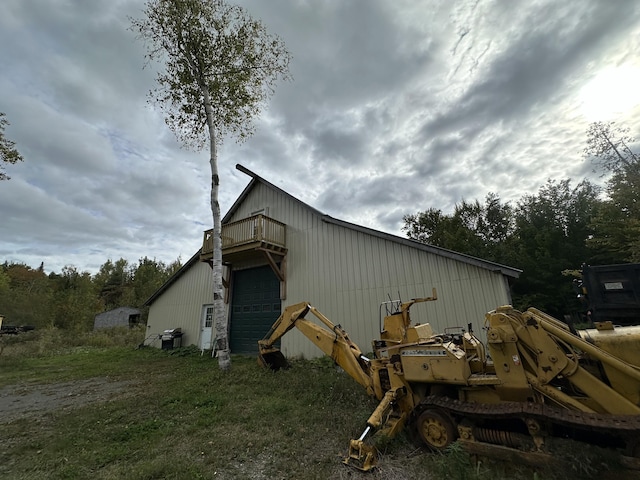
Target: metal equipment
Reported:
point(171, 338)
point(533, 383)
point(610, 293)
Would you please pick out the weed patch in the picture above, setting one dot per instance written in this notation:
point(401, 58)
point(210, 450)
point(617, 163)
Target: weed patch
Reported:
point(175, 416)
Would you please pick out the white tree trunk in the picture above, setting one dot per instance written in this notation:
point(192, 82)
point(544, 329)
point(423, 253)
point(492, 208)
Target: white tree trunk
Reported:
point(220, 319)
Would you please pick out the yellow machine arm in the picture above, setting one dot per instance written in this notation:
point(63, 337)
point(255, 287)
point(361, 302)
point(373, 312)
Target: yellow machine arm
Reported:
point(379, 377)
point(537, 350)
point(331, 339)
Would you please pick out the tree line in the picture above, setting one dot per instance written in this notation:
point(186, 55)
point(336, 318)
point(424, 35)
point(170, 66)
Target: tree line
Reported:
point(550, 234)
point(71, 299)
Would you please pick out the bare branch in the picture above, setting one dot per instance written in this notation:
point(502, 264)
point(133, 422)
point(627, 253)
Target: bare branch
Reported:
point(608, 146)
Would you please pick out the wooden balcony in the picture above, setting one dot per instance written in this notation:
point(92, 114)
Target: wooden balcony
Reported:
point(247, 237)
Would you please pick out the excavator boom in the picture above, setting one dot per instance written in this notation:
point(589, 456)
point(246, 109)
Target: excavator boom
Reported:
point(329, 338)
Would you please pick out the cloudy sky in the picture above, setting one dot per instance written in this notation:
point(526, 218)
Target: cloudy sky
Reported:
point(395, 106)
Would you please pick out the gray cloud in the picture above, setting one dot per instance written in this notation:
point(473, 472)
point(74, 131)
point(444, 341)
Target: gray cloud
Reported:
point(394, 107)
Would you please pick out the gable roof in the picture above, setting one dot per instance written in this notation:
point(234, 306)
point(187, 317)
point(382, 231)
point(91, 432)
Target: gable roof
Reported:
point(443, 252)
point(255, 179)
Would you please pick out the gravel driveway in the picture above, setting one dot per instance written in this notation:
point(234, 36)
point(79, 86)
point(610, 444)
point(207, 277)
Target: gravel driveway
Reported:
point(25, 400)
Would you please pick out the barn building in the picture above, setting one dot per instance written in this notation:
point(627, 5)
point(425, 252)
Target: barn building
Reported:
point(118, 317)
point(278, 251)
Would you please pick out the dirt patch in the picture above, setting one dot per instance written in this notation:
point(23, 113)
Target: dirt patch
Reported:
point(26, 400)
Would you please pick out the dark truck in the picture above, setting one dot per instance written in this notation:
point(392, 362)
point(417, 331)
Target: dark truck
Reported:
point(13, 330)
point(611, 293)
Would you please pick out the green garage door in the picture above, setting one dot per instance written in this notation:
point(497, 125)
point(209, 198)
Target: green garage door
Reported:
point(255, 306)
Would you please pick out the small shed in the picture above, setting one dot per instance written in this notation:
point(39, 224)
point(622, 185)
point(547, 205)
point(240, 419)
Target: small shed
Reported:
point(118, 317)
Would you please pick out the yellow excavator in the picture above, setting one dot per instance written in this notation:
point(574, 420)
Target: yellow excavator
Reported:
point(535, 382)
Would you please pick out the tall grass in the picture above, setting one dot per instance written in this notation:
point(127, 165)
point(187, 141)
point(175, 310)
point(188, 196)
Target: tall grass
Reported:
point(53, 341)
point(180, 417)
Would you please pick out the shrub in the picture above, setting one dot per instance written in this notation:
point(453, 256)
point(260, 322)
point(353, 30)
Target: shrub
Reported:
point(51, 341)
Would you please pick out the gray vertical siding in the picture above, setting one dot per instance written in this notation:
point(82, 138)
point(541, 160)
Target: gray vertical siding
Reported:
point(181, 305)
point(347, 273)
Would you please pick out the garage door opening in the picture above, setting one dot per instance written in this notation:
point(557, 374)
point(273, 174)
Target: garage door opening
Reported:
point(255, 307)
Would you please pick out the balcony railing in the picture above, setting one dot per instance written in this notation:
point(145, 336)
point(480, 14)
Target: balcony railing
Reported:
point(247, 234)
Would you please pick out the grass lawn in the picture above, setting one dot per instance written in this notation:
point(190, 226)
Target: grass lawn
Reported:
point(112, 412)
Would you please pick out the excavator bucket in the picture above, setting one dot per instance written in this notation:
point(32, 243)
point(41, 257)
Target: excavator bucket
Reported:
point(361, 456)
point(273, 359)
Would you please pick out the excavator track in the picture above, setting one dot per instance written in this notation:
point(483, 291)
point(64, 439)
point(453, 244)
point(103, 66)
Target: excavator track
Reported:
point(605, 423)
point(482, 429)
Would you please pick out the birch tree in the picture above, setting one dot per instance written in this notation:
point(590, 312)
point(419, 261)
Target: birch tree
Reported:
point(220, 68)
point(8, 152)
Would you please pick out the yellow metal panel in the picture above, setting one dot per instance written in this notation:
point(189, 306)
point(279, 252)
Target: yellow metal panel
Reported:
point(433, 363)
point(623, 343)
point(620, 341)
